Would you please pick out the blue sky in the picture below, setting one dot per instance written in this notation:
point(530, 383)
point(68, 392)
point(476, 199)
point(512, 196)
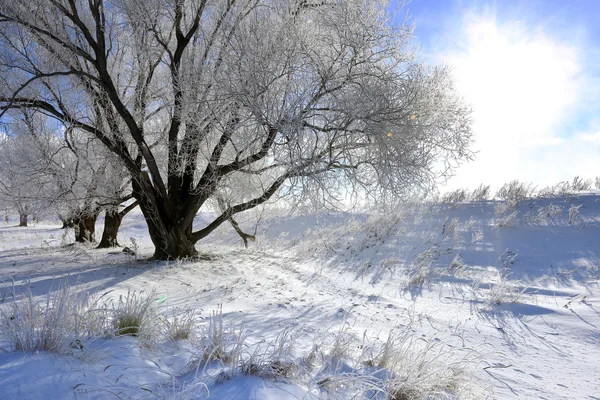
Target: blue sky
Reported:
point(531, 71)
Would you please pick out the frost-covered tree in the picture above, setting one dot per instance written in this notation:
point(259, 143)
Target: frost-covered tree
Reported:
point(90, 180)
point(25, 183)
point(236, 102)
point(46, 166)
point(98, 183)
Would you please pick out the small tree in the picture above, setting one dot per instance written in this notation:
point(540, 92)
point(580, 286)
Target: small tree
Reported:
point(75, 176)
point(98, 183)
point(24, 181)
point(193, 97)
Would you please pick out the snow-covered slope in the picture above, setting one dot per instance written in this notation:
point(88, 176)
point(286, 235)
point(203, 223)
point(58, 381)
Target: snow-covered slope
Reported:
point(482, 299)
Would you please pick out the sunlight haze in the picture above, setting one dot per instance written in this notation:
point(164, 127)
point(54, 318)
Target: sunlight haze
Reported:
point(530, 72)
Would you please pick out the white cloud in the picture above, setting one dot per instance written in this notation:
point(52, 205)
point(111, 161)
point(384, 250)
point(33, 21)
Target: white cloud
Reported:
point(525, 88)
point(591, 137)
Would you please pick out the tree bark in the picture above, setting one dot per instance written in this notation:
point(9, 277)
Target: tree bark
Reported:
point(85, 228)
point(23, 219)
point(112, 223)
point(67, 223)
point(172, 244)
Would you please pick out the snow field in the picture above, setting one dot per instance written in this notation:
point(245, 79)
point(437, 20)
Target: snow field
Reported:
point(476, 299)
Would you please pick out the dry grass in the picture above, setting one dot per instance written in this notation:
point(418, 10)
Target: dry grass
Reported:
point(180, 324)
point(134, 314)
point(58, 323)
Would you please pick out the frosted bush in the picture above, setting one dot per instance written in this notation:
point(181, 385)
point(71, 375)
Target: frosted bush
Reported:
point(514, 192)
point(476, 237)
point(420, 271)
point(551, 211)
point(574, 215)
point(421, 368)
point(455, 196)
point(482, 193)
point(502, 208)
point(579, 184)
point(503, 291)
point(509, 221)
point(275, 362)
point(458, 266)
point(449, 226)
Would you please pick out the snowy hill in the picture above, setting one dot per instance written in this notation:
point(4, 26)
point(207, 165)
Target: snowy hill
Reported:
point(441, 300)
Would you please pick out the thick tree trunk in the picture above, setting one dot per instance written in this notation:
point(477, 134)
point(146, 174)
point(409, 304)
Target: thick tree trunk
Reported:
point(85, 228)
point(169, 229)
point(172, 244)
point(23, 219)
point(112, 223)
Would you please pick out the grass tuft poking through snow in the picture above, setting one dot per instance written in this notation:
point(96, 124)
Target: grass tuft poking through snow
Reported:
point(220, 343)
point(422, 368)
point(57, 323)
point(275, 362)
point(180, 324)
point(134, 314)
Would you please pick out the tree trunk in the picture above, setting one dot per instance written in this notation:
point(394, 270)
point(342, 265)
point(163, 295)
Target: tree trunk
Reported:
point(23, 219)
point(172, 244)
point(112, 223)
point(85, 228)
point(67, 223)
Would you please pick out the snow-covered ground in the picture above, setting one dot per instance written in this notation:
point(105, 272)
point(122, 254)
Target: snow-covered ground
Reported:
point(482, 301)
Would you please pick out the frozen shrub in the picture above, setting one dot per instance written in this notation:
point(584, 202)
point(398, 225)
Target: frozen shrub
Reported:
point(574, 216)
point(482, 193)
point(503, 291)
point(567, 188)
point(502, 208)
point(458, 266)
point(509, 221)
point(563, 189)
point(476, 237)
point(514, 192)
point(455, 196)
point(420, 271)
point(548, 213)
point(449, 226)
point(342, 343)
point(545, 193)
point(579, 184)
point(379, 227)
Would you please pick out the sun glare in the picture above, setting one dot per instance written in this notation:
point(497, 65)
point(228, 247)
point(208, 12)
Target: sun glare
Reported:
point(524, 87)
